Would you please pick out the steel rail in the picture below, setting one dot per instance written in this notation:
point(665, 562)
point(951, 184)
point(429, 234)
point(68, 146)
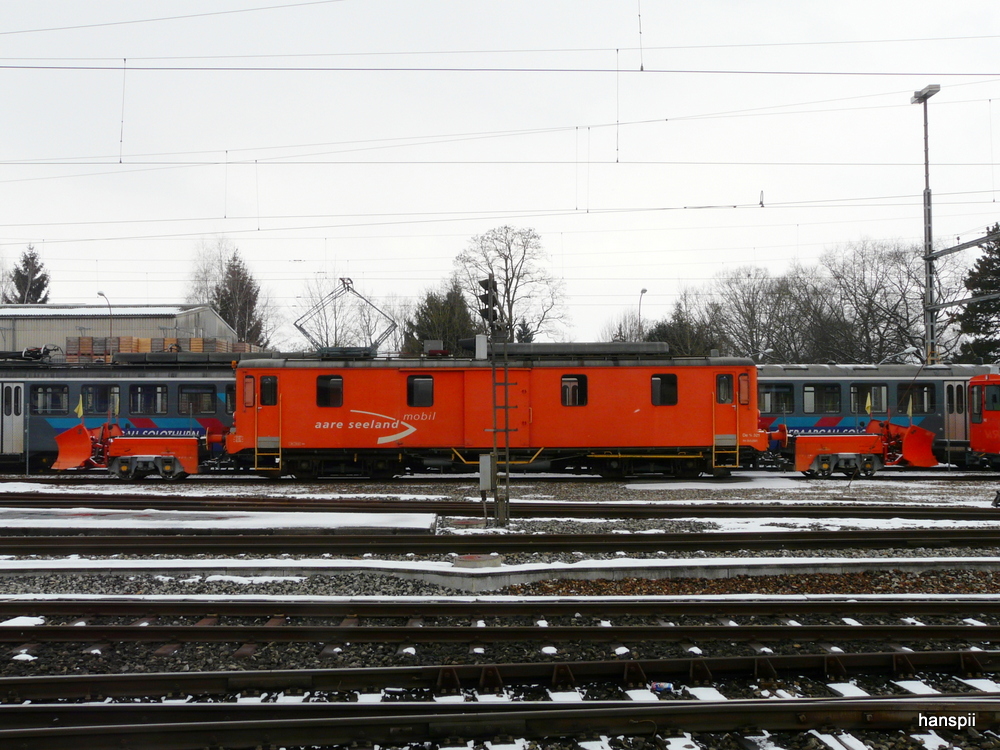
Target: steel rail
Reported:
point(528, 721)
point(539, 608)
point(604, 607)
point(451, 679)
point(493, 634)
point(655, 508)
point(359, 544)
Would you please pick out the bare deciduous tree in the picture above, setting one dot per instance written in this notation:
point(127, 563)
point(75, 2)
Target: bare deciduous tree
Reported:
point(528, 292)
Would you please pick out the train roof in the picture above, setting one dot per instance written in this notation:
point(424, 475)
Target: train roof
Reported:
point(516, 361)
point(855, 371)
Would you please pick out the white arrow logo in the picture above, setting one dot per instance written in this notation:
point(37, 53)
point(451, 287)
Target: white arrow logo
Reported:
point(389, 438)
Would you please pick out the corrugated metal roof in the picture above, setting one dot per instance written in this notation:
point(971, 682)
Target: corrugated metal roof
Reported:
point(80, 311)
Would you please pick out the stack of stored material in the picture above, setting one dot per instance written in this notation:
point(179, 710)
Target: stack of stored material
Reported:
point(87, 348)
point(215, 345)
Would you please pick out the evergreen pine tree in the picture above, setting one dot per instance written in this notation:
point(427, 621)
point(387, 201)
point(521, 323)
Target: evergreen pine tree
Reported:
point(29, 281)
point(236, 298)
point(980, 321)
point(442, 316)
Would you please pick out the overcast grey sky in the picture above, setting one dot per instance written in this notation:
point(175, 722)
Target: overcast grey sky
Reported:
point(373, 138)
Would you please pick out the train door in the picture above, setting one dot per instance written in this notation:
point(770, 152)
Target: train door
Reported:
point(956, 419)
point(730, 390)
point(11, 418)
point(267, 409)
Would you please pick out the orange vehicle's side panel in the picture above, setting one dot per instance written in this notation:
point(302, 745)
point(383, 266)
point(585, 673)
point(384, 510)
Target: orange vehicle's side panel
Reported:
point(185, 450)
point(618, 411)
point(808, 447)
point(374, 413)
point(984, 419)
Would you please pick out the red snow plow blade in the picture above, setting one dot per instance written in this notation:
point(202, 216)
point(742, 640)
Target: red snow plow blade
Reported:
point(80, 448)
point(906, 446)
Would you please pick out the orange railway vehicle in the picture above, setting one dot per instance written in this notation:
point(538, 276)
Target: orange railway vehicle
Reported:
point(612, 409)
point(984, 418)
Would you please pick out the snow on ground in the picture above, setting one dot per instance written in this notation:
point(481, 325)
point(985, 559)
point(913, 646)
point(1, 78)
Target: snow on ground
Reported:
point(161, 520)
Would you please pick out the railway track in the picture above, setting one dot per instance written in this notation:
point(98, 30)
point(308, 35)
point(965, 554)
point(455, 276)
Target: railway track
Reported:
point(491, 622)
point(342, 542)
point(843, 507)
point(180, 728)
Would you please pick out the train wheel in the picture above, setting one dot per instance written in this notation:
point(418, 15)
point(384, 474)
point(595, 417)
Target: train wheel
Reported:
point(305, 470)
point(689, 469)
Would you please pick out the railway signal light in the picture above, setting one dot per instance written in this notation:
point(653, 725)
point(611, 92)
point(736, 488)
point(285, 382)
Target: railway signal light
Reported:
point(490, 298)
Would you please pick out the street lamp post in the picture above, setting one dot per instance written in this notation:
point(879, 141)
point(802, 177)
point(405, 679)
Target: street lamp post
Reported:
point(110, 317)
point(640, 313)
point(930, 315)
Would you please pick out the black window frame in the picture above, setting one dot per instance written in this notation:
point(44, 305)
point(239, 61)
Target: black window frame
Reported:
point(822, 401)
point(268, 390)
point(859, 397)
point(663, 389)
point(209, 406)
point(775, 395)
point(53, 393)
point(420, 391)
point(142, 395)
point(725, 388)
point(329, 391)
point(925, 401)
point(101, 398)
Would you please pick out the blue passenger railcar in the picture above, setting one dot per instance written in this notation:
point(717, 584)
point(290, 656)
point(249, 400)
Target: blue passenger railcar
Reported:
point(816, 399)
point(160, 394)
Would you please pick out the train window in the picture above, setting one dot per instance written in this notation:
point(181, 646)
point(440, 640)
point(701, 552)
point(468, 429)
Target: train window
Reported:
point(992, 400)
point(230, 398)
point(147, 399)
point(949, 398)
point(821, 398)
point(664, 389)
point(960, 398)
point(249, 393)
point(744, 388)
point(8, 400)
point(916, 398)
point(17, 400)
point(574, 390)
point(776, 398)
point(976, 403)
point(869, 398)
point(196, 399)
point(329, 390)
point(724, 389)
point(100, 399)
point(420, 390)
point(50, 399)
point(268, 390)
